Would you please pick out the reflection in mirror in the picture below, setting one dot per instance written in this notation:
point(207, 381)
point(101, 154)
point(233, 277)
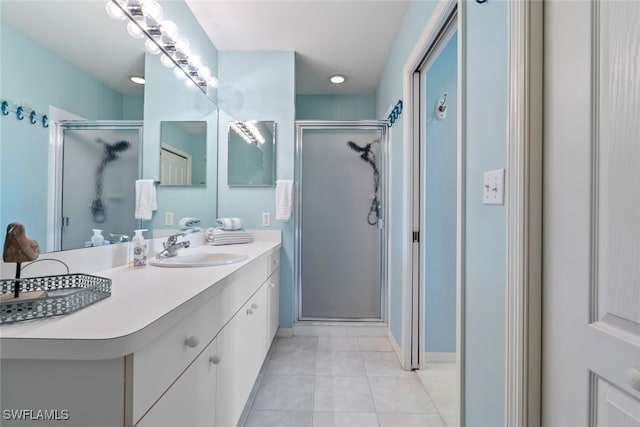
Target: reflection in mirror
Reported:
point(183, 153)
point(252, 157)
point(70, 61)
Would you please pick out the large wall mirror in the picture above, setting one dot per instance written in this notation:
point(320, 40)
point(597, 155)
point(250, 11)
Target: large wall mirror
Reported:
point(251, 153)
point(183, 153)
point(70, 61)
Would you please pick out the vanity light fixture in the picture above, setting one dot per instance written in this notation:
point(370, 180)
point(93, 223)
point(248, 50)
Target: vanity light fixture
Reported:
point(337, 79)
point(145, 19)
point(137, 79)
point(248, 131)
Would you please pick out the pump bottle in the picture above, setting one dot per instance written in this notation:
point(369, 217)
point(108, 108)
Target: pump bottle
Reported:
point(139, 248)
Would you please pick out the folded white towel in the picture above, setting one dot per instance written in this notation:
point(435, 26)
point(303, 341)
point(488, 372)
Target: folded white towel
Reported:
point(188, 222)
point(284, 199)
point(217, 236)
point(230, 223)
point(146, 199)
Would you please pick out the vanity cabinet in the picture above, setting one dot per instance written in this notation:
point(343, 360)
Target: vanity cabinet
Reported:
point(242, 346)
point(197, 370)
point(188, 402)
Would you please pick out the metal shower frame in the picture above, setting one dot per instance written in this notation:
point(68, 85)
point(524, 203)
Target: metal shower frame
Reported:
point(301, 126)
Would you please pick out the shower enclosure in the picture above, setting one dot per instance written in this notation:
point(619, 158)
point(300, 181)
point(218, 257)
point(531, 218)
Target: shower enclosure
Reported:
point(340, 257)
point(98, 164)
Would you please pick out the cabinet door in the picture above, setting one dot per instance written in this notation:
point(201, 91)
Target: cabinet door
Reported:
point(242, 348)
point(273, 306)
point(190, 401)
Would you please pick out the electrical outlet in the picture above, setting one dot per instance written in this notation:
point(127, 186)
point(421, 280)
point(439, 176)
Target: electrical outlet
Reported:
point(168, 218)
point(493, 187)
point(266, 219)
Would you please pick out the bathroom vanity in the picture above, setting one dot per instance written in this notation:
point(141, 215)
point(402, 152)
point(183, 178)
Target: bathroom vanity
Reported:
point(170, 347)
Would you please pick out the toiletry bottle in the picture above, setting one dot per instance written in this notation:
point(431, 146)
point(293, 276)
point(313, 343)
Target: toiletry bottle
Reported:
point(139, 248)
point(97, 239)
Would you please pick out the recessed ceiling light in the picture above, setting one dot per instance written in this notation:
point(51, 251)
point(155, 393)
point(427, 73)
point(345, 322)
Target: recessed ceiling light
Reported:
point(137, 79)
point(337, 79)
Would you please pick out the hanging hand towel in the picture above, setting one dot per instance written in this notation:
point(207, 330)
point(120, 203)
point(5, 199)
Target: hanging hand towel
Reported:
point(230, 223)
point(146, 200)
point(284, 199)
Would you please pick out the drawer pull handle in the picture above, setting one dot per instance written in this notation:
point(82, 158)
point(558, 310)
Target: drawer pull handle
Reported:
point(633, 375)
point(254, 305)
point(249, 311)
point(192, 341)
point(214, 360)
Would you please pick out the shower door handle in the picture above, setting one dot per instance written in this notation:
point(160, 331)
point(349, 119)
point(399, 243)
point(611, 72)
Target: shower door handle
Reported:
point(65, 221)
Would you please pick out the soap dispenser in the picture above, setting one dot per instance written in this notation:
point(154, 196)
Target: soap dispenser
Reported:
point(139, 248)
point(97, 239)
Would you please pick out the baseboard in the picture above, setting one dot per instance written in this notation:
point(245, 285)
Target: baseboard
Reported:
point(284, 332)
point(341, 329)
point(433, 357)
point(396, 349)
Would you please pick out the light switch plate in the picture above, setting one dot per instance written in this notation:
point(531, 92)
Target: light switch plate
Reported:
point(168, 218)
point(493, 187)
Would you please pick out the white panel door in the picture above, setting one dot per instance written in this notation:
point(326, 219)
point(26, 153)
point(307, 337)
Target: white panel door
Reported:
point(173, 168)
point(591, 277)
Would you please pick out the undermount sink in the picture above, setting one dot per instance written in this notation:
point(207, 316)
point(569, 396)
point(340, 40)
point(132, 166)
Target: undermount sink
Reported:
point(198, 260)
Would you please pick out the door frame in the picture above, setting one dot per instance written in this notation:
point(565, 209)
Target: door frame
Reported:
point(524, 215)
point(300, 127)
point(411, 313)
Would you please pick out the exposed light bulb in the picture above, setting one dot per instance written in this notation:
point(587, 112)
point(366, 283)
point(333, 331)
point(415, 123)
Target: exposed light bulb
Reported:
point(134, 30)
point(196, 61)
point(166, 61)
point(170, 29)
point(189, 83)
point(205, 72)
point(151, 47)
point(114, 11)
point(179, 73)
point(152, 9)
point(184, 46)
point(212, 81)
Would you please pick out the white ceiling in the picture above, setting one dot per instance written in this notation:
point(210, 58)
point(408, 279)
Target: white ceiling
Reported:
point(353, 38)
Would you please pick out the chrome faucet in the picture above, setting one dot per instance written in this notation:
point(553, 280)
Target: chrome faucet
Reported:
point(172, 245)
point(119, 237)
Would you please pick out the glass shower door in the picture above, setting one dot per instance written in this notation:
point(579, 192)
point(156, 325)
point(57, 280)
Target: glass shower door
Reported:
point(100, 165)
point(340, 229)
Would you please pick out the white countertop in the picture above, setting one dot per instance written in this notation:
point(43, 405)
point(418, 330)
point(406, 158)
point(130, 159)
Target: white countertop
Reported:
point(144, 302)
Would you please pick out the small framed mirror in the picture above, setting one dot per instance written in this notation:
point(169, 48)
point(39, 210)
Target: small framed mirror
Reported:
point(183, 153)
point(252, 153)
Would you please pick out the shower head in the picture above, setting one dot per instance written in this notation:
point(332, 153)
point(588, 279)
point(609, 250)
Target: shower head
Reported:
point(355, 147)
point(117, 147)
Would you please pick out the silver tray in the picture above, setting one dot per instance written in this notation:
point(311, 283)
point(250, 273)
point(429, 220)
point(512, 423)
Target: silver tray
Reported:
point(66, 293)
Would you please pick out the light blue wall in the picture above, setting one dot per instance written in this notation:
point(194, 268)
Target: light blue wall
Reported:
point(485, 110)
point(335, 107)
point(388, 93)
point(486, 107)
point(440, 188)
point(33, 75)
point(261, 86)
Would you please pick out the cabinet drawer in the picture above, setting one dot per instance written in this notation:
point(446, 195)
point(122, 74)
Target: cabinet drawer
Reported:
point(160, 362)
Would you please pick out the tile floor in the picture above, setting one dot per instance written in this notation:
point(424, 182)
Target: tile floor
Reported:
point(340, 381)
